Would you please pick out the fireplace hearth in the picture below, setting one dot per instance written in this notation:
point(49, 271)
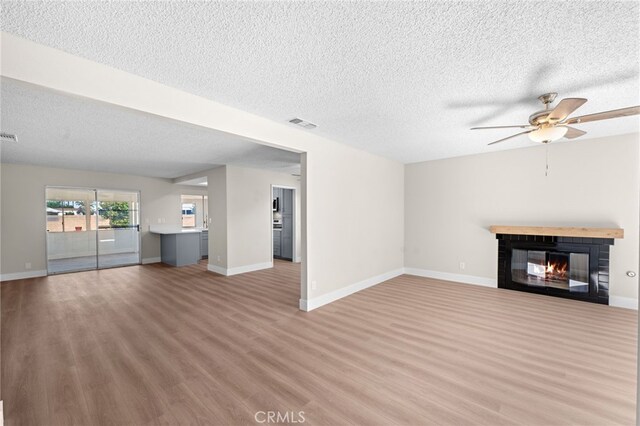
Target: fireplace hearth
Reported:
point(562, 266)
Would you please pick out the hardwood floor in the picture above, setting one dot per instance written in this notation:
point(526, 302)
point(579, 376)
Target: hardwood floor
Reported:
point(159, 345)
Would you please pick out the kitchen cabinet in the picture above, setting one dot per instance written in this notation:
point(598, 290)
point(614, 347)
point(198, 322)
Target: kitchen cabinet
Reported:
point(204, 244)
point(287, 202)
point(277, 243)
point(286, 249)
point(179, 246)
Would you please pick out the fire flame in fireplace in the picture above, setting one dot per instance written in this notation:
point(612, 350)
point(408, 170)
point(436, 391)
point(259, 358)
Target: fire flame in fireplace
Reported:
point(556, 270)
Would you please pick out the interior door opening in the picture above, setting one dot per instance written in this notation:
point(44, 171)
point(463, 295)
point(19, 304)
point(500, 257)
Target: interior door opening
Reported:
point(91, 229)
point(283, 222)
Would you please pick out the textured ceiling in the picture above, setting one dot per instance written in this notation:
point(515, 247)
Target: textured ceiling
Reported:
point(64, 131)
point(401, 79)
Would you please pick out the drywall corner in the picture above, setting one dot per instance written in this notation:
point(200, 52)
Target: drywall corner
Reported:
point(217, 199)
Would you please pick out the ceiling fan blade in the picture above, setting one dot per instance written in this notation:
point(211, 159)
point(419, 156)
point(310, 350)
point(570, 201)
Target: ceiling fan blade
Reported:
point(522, 126)
point(566, 107)
point(573, 133)
point(509, 137)
point(605, 115)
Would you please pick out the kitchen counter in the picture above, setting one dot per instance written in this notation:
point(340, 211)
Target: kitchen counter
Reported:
point(168, 230)
point(179, 246)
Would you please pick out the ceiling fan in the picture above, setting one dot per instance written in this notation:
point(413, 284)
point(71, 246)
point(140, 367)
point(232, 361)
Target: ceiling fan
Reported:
point(551, 124)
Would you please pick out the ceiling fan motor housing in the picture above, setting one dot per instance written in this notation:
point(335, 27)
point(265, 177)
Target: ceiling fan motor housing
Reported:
point(542, 117)
point(539, 117)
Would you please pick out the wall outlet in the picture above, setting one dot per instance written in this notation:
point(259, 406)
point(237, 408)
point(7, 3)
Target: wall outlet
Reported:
point(218, 259)
point(163, 221)
point(314, 285)
point(462, 265)
point(159, 220)
point(27, 266)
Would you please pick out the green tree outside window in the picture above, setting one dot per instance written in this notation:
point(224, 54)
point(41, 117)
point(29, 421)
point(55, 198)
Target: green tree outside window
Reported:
point(116, 211)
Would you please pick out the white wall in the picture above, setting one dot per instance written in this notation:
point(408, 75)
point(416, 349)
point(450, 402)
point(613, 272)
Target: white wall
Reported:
point(217, 199)
point(355, 220)
point(363, 245)
point(249, 218)
point(22, 188)
point(246, 216)
point(451, 203)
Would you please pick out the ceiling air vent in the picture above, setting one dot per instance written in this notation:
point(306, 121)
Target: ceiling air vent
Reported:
point(302, 123)
point(8, 137)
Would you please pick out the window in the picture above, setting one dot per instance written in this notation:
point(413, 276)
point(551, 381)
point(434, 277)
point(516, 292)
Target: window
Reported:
point(70, 215)
point(194, 211)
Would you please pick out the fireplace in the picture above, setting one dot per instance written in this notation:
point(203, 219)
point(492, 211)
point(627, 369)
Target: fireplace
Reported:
point(551, 268)
point(570, 267)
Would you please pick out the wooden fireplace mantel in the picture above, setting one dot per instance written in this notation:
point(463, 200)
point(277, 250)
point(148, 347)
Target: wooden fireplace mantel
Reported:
point(558, 231)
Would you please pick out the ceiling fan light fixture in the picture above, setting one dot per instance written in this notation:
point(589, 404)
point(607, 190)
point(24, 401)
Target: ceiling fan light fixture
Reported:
point(547, 134)
point(552, 124)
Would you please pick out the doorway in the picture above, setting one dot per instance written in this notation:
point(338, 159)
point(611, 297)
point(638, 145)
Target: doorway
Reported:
point(283, 221)
point(91, 229)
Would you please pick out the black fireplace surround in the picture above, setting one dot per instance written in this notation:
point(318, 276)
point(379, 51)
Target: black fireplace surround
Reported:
point(569, 267)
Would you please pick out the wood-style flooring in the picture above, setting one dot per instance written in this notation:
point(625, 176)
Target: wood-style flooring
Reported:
point(154, 344)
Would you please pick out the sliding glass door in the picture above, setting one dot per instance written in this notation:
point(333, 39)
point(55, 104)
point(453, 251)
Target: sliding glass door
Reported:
point(89, 229)
point(118, 228)
point(71, 230)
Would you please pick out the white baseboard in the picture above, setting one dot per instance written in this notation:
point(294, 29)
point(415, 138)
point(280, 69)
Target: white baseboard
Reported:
point(148, 260)
point(623, 302)
point(23, 275)
point(1, 414)
point(239, 269)
point(217, 269)
point(303, 305)
point(297, 260)
point(447, 276)
point(249, 268)
point(311, 304)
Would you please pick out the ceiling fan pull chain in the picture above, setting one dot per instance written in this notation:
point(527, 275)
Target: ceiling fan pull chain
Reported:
point(546, 159)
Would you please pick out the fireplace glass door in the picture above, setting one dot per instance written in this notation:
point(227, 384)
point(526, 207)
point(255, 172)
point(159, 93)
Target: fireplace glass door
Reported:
point(562, 270)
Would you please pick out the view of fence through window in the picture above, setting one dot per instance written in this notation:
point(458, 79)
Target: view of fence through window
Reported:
point(88, 228)
point(72, 215)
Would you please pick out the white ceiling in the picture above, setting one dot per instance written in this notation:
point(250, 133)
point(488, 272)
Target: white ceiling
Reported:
point(401, 79)
point(58, 130)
